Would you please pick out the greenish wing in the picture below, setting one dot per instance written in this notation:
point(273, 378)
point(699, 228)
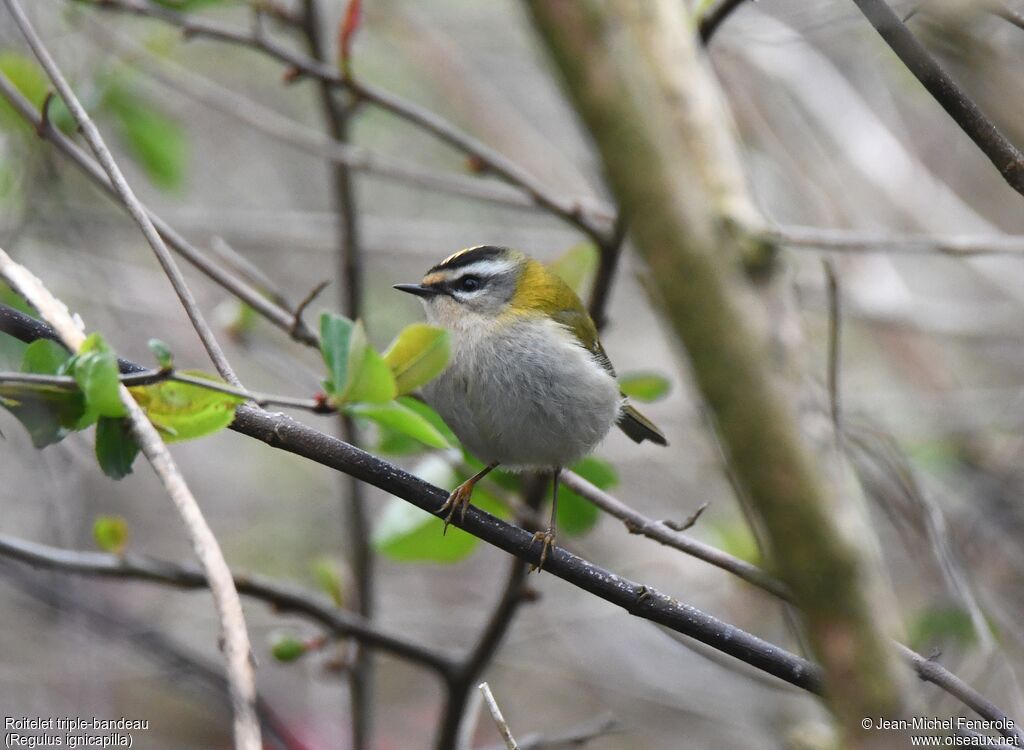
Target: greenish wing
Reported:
point(580, 324)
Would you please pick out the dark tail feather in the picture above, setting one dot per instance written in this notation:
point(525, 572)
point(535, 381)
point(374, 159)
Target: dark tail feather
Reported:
point(638, 427)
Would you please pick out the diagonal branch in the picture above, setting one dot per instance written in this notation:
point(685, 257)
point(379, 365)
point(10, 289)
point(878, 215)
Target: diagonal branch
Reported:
point(235, 638)
point(124, 191)
point(282, 597)
point(1006, 157)
point(570, 210)
point(303, 138)
point(283, 319)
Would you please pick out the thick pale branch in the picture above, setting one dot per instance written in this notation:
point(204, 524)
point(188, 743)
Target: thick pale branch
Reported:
point(639, 84)
point(234, 636)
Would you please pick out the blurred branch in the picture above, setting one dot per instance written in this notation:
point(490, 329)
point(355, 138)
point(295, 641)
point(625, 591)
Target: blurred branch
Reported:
point(183, 668)
point(282, 597)
point(292, 133)
point(1006, 157)
point(283, 319)
point(854, 241)
point(1000, 9)
point(657, 158)
point(466, 673)
point(609, 254)
point(710, 21)
point(636, 522)
point(570, 210)
point(835, 324)
point(124, 192)
point(280, 431)
point(337, 116)
point(234, 637)
point(577, 736)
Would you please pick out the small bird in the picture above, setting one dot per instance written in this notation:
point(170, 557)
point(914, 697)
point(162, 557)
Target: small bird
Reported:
point(528, 385)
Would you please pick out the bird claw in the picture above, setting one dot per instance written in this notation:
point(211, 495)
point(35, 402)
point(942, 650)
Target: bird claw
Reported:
point(547, 537)
point(458, 500)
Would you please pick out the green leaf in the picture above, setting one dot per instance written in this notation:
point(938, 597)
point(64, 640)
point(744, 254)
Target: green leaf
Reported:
point(406, 533)
point(577, 515)
point(110, 533)
point(30, 80)
point(182, 411)
point(736, 538)
point(237, 318)
point(154, 139)
point(418, 355)
point(286, 648)
point(95, 370)
point(336, 344)
point(116, 449)
point(162, 353)
point(47, 412)
point(372, 381)
point(644, 386)
point(12, 299)
point(576, 266)
point(425, 411)
point(45, 357)
point(402, 419)
point(938, 624)
point(329, 577)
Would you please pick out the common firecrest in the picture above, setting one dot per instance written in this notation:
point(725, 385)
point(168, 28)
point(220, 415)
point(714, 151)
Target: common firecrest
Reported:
point(529, 385)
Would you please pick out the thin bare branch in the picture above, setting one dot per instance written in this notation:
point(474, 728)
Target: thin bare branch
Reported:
point(282, 597)
point(1003, 154)
point(124, 191)
point(234, 636)
point(307, 140)
point(499, 719)
point(856, 241)
point(659, 531)
point(280, 317)
point(150, 377)
point(576, 736)
point(570, 210)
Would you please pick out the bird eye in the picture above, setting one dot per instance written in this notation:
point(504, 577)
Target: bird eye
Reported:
point(469, 283)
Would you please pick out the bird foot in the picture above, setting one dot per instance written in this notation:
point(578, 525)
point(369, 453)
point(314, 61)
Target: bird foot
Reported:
point(458, 500)
point(547, 538)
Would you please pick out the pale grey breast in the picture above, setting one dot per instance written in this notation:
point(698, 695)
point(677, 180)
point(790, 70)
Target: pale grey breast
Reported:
point(526, 396)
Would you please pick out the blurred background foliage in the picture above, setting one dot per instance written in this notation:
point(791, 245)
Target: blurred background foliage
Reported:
point(835, 134)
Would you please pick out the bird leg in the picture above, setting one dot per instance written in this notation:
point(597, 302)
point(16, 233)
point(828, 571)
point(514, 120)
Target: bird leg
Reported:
point(459, 498)
point(548, 536)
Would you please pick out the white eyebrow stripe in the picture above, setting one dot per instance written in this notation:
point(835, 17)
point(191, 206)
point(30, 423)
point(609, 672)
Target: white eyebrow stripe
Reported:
point(483, 268)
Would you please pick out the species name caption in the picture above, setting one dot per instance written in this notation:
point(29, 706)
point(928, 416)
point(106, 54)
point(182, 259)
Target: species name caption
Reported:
point(71, 731)
point(962, 731)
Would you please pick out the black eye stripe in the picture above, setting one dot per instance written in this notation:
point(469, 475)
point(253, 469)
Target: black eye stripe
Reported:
point(468, 283)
